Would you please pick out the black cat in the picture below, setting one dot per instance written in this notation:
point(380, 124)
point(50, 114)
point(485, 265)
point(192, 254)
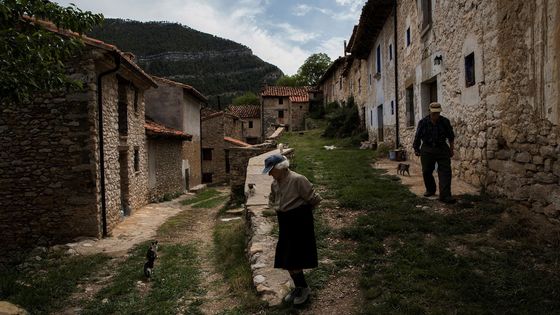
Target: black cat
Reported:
point(401, 168)
point(151, 255)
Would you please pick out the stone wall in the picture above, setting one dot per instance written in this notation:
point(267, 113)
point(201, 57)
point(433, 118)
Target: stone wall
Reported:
point(46, 166)
point(298, 114)
point(239, 159)
point(255, 132)
point(271, 107)
point(168, 167)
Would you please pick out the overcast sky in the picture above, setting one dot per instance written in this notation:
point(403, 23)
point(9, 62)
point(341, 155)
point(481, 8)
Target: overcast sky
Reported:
point(282, 32)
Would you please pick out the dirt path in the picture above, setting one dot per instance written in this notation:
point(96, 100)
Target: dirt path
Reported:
point(197, 226)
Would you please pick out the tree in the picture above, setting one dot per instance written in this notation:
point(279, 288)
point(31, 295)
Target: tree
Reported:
point(313, 68)
point(31, 57)
point(249, 98)
point(290, 80)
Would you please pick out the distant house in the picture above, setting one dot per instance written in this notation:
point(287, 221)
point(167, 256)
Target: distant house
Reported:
point(252, 127)
point(177, 105)
point(165, 160)
point(73, 163)
point(220, 132)
point(284, 106)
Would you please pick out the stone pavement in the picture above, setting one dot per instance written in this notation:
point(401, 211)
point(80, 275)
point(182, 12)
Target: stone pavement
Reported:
point(137, 228)
point(272, 284)
point(415, 182)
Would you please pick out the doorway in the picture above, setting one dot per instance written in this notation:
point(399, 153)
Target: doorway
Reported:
point(123, 172)
point(380, 123)
point(187, 179)
point(429, 94)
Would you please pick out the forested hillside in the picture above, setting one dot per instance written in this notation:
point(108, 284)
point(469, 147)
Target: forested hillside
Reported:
point(219, 68)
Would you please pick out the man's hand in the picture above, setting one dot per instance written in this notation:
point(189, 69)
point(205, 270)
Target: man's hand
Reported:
point(451, 149)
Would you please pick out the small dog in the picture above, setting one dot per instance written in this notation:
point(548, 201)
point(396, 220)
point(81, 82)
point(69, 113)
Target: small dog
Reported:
point(251, 191)
point(402, 168)
point(151, 255)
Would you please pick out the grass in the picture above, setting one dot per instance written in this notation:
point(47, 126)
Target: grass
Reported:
point(210, 203)
point(43, 287)
point(175, 276)
point(204, 195)
point(420, 262)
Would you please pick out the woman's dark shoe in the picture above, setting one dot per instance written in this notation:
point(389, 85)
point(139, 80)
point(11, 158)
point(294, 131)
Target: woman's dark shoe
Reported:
point(429, 194)
point(448, 200)
point(302, 296)
point(292, 295)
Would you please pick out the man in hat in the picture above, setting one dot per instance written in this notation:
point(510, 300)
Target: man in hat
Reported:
point(293, 198)
point(431, 144)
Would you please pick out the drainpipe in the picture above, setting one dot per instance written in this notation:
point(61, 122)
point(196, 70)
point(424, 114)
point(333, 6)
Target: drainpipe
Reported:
point(101, 143)
point(396, 41)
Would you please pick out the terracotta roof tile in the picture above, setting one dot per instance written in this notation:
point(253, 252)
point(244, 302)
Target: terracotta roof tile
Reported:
point(155, 129)
point(272, 90)
point(208, 113)
point(237, 142)
point(299, 98)
point(245, 111)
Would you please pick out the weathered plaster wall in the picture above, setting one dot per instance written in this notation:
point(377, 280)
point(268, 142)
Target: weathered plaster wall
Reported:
point(168, 163)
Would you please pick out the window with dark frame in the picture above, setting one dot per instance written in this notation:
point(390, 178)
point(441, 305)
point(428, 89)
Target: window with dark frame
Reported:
point(280, 114)
point(280, 100)
point(378, 59)
point(207, 154)
point(392, 108)
point(371, 117)
point(470, 77)
point(136, 159)
point(250, 124)
point(408, 37)
point(410, 107)
point(390, 51)
point(426, 14)
point(340, 84)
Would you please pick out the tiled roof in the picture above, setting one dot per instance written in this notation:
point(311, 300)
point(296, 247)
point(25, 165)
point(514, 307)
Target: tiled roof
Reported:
point(335, 65)
point(95, 43)
point(245, 111)
point(237, 142)
point(208, 113)
point(373, 17)
point(272, 90)
point(157, 130)
point(299, 98)
point(186, 87)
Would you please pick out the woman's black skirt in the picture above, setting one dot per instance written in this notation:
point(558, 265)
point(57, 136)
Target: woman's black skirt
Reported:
point(296, 248)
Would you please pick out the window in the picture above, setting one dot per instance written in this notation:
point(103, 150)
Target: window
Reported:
point(390, 51)
point(392, 108)
point(370, 79)
point(470, 78)
point(408, 37)
point(122, 105)
point(280, 114)
point(135, 100)
point(371, 117)
point(301, 107)
point(250, 124)
point(378, 59)
point(426, 14)
point(359, 85)
point(207, 154)
point(340, 84)
point(280, 100)
point(206, 178)
point(136, 159)
point(410, 107)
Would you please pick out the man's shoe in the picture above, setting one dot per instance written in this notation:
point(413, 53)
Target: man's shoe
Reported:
point(292, 295)
point(429, 194)
point(302, 297)
point(448, 200)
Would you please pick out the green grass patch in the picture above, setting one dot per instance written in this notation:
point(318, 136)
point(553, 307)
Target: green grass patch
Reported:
point(417, 261)
point(43, 287)
point(210, 203)
point(231, 261)
point(204, 195)
point(173, 286)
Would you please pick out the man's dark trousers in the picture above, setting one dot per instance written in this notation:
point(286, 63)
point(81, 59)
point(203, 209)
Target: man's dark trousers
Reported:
point(428, 157)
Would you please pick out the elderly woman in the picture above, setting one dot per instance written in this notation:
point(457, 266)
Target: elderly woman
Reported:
point(293, 198)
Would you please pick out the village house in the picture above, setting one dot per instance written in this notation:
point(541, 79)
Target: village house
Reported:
point(74, 163)
point(177, 106)
point(252, 127)
point(221, 131)
point(493, 65)
point(284, 106)
point(165, 161)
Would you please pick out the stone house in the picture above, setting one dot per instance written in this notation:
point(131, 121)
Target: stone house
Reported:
point(284, 106)
point(74, 162)
point(165, 161)
point(252, 127)
point(220, 132)
point(177, 105)
point(494, 67)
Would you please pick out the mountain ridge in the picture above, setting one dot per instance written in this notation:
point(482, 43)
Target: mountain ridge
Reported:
point(219, 68)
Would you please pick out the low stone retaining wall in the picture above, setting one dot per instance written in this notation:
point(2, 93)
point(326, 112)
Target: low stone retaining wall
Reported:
point(272, 284)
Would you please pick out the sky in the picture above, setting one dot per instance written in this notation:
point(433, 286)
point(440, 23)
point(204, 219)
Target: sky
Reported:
point(282, 32)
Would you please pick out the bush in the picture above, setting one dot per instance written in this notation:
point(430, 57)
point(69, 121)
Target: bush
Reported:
point(343, 122)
